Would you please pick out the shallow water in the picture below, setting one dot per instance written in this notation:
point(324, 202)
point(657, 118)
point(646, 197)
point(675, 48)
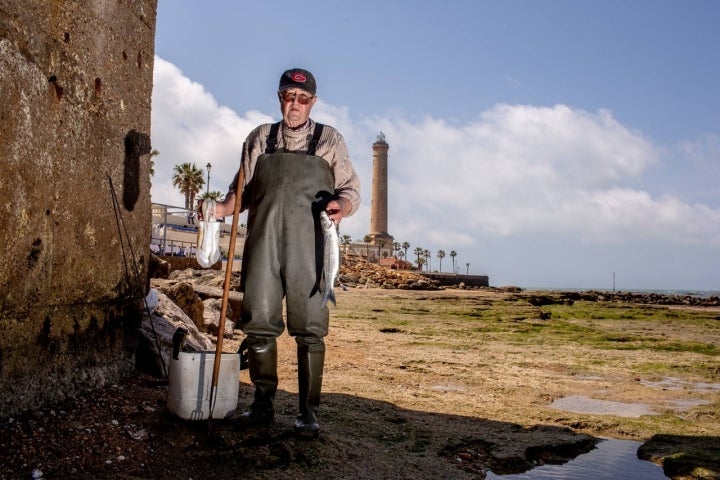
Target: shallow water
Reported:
point(611, 460)
point(674, 383)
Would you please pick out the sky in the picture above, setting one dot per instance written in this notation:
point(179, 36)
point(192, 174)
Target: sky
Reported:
point(551, 144)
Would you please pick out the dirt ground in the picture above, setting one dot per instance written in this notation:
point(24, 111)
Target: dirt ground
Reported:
point(418, 385)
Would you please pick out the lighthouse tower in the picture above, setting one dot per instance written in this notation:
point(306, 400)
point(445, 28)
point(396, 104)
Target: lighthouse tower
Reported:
point(379, 207)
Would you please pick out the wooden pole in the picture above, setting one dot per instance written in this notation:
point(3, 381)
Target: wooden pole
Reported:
point(226, 288)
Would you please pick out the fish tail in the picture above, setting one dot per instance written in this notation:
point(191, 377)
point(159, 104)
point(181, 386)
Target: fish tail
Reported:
point(329, 295)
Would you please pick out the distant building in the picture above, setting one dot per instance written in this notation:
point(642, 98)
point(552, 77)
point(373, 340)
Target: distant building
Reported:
point(382, 241)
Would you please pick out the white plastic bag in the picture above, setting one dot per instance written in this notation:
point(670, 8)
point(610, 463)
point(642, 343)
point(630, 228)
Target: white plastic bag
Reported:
point(208, 250)
point(151, 301)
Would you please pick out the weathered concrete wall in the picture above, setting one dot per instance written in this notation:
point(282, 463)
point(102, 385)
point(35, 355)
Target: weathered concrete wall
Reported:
point(75, 92)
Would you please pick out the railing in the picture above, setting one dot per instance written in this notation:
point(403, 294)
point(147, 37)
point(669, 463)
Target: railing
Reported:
point(182, 221)
point(175, 248)
point(169, 216)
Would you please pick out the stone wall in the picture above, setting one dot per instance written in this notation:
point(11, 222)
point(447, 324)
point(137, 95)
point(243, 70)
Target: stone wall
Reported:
point(449, 279)
point(75, 84)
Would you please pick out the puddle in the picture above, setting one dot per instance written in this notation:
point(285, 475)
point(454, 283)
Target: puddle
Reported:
point(611, 460)
point(580, 404)
point(674, 383)
point(684, 405)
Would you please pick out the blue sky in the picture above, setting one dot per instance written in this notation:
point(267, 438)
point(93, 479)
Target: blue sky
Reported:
point(550, 143)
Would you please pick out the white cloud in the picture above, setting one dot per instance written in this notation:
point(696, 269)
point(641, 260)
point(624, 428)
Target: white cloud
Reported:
point(523, 170)
point(576, 179)
point(188, 125)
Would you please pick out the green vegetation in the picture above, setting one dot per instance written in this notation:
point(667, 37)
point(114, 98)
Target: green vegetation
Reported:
point(448, 321)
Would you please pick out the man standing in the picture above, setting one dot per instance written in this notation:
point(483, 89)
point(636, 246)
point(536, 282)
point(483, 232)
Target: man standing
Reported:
point(294, 169)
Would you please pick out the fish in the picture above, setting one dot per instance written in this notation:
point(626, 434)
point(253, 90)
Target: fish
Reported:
point(331, 257)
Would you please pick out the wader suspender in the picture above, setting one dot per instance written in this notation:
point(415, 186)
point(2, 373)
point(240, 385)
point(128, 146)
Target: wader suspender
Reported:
point(271, 146)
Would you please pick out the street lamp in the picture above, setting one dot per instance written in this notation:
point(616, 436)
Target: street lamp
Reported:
point(207, 190)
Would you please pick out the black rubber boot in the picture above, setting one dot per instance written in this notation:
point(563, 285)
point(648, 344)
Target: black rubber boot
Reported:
point(262, 363)
point(310, 373)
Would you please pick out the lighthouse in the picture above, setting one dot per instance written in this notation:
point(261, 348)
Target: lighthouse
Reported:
point(379, 206)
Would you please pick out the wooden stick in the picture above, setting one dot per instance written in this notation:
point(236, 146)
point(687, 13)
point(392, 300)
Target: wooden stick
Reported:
point(226, 288)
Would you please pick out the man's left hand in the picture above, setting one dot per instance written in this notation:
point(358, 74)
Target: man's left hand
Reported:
point(334, 210)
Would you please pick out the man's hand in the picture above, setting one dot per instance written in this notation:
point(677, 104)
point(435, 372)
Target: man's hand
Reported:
point(336, 210)
point(222, 209)
point(199, 210)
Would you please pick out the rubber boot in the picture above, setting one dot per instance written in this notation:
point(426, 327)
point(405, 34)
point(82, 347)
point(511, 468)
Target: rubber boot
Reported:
point(262, 364)
point(310, 373)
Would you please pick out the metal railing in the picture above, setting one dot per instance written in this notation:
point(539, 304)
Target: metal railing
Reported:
point(183, 221)
point(168, 216)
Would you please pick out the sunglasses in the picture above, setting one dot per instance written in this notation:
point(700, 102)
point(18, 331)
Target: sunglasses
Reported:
point(301, 98)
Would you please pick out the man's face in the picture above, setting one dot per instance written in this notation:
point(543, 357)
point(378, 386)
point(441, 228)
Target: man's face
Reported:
point(295, 105)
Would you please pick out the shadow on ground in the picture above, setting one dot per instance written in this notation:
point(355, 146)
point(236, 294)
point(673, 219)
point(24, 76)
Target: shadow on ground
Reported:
point(126, 432)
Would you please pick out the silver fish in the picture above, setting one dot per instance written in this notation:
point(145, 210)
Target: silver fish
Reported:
point(331, 257)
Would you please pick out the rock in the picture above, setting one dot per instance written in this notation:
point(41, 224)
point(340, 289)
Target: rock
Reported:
point(509, 289)
point(158, 268)
point(234, 299)
point(184, 296)
point(211, 317)
point(205, 284)
point(645, 298)
point(683, 456)
point(156, 332)
point(356, 271)
point(350, 278)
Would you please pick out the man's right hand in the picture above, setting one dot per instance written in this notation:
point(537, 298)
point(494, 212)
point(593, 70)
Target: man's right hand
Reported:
point(199, 210)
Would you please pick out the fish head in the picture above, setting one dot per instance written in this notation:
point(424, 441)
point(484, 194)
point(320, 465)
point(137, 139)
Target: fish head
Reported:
point(326, 221)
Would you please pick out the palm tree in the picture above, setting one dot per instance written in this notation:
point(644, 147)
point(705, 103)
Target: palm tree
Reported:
point(441, 255)
point(405, 246)
point(427, 255)
point(153, 153)
point(346, 241)
point(214, 195)
point(189, 180)
point(367, 239)
point(418, 253)
point(396, 248)
point(467, 268)
point(453, 254)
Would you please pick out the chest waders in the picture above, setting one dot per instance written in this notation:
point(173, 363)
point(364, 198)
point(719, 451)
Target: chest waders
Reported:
point(283, 258)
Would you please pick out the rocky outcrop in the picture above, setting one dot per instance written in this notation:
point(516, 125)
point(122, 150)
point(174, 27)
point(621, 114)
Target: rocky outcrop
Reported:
point(648, 298)
point(355, 271)
point(568, 298)
point(199, 294)
point(156, 335)
point(684, 456)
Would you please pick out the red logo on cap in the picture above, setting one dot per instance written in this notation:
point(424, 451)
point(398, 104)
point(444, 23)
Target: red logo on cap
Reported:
point(298, 77)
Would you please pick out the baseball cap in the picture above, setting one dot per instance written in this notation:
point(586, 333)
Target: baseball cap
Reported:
point(298, 78)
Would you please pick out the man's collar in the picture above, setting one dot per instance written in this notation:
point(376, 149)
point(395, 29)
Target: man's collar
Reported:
point(299, 127)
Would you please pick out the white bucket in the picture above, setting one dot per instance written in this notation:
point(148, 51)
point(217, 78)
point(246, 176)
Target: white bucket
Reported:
point(190, 379)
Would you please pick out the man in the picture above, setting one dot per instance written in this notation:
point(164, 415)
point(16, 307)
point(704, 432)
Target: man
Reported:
point(293, 170)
